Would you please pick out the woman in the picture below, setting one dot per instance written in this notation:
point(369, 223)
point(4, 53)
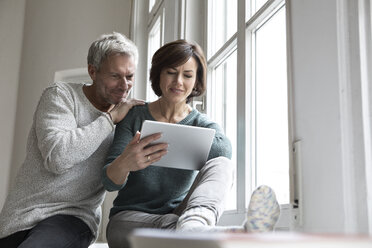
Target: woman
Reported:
point(159, 197)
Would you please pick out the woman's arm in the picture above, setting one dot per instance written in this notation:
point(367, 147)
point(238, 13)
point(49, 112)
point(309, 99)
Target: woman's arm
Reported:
point(221, 145)
point(129, 154)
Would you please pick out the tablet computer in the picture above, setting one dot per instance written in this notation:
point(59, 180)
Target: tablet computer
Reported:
point(188, 148)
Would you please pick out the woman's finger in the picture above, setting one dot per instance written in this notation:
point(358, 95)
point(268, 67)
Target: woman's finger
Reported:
point(154, 157)
point(136, 138)
point(155, 148)
point(148, 139)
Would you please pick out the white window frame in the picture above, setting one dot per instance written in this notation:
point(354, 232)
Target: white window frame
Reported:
point(180, 14)
point(156, 17)
point(242, 42)
point(172, 23)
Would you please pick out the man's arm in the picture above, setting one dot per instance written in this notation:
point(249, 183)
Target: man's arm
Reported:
point(61, 141)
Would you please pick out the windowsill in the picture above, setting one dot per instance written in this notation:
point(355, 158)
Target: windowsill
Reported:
point(99, 245)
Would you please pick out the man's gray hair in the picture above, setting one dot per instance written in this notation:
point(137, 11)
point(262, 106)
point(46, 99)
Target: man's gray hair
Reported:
point(110, 44)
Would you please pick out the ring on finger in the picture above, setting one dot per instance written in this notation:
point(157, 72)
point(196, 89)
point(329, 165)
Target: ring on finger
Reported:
point(148, 158)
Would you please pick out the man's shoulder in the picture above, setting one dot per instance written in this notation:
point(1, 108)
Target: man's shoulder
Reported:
point(62, 90)
point(65, 86)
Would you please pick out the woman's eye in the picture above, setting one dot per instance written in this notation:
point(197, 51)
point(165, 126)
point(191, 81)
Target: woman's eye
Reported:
point(188, 76)
point(171, 72)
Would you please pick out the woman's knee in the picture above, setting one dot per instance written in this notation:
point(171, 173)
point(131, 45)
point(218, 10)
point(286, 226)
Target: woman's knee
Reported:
point(220, 165)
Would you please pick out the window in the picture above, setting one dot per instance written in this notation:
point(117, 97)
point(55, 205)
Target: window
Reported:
point(262, 130)
point(269, 103)
point(162, 27)
point(257, 44)
point(245, 45)
point(155, 39)
point(222, 78)
point(222, 16)
point(154, 43)
point(222, 98)
point(151, 5)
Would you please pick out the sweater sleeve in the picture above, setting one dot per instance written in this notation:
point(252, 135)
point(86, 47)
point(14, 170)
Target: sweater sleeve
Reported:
point(221, 145)
point(61, 141)
point(124, 133)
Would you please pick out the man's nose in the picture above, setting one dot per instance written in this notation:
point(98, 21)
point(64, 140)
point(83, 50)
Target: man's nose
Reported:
point(125, 83)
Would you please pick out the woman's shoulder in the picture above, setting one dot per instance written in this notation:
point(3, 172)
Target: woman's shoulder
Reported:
point(135, 114)
point(201, 119)
point(140, 108)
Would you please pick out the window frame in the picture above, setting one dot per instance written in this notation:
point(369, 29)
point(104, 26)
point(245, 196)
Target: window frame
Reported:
point(242, 42)
point(297, 50)
point(177, 14)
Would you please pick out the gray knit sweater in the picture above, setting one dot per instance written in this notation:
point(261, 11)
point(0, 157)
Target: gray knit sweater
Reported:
point(61, 174)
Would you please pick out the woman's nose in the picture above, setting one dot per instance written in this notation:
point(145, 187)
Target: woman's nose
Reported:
point(179, 79)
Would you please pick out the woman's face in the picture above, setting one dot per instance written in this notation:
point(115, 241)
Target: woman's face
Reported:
point(177, 83)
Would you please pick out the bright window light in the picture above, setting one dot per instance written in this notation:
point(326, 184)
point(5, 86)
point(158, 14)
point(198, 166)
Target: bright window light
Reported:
point(271, 106)
point(223, 109)
point(151, 4)
point(223, 15)
point(259, 4)
point(154, 44)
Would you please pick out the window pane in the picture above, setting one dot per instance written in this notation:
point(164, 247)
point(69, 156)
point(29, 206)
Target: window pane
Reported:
point(151, 4)
point(272, 155)
point(259, 4)
point(252, 6)
point(154, 44)
point(222, 18)
point(223, 109)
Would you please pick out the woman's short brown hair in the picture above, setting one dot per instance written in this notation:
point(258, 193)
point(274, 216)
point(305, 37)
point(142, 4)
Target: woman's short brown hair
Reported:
point(174, 54)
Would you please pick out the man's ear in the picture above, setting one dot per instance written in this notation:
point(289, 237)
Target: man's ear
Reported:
point(92, 72)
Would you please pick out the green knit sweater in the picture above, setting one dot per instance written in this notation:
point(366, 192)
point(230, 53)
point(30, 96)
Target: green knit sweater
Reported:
point(156, 190)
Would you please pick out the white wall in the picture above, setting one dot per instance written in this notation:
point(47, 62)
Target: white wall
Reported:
point(11, 12)
point(327, 114)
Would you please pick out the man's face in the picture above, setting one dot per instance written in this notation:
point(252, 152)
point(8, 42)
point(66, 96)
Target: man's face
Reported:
point(114, 79)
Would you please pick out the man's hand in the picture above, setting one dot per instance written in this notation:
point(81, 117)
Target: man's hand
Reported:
point(120, 110)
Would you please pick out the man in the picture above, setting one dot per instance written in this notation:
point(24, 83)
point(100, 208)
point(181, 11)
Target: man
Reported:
point(56, 198)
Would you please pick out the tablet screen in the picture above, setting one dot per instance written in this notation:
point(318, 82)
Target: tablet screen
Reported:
point(188, 148)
